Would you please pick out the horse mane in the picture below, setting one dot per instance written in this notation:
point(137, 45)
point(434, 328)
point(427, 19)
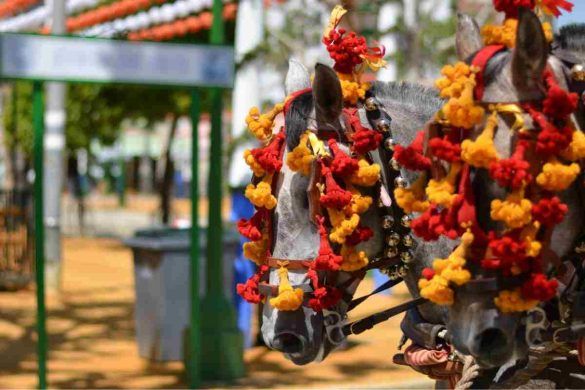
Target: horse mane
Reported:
point(297, 118)
point(418, 102)
point(572, 37)
point(421, 101)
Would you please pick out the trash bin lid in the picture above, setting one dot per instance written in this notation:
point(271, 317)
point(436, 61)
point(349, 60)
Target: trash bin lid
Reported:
point(173, 239)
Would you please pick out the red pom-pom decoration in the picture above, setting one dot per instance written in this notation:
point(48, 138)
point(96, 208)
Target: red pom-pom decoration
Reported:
point(324, 298)
point(252, 228)
point(342, 165)
point(270, 157)
point(366, 140)
point(445, 150)
point(539, 288)
point(513, 172)
point(560, 104)
point(549, 211)
point(359, 235)
point(334, 197)
point(411, 157)
point(510, 7)
point(433, 223)
point(326, 260)
point(428, 273)
point(249, 291)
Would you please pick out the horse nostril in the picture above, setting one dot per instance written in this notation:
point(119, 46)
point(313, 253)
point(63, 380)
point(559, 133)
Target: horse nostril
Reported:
point(288, 343)
point(491, 341)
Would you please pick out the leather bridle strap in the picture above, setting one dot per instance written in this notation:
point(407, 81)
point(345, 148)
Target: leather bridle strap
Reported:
point(386, 286)
point(369, 322)
point(481, 60)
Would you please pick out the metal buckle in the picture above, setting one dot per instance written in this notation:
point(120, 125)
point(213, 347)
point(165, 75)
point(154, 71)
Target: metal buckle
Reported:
point(536, 323)
point(334, 326)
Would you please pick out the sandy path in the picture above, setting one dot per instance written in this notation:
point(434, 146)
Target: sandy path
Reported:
point(91, 331)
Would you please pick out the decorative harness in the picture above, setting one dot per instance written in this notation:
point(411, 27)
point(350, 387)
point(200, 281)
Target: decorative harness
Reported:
point(398, 243)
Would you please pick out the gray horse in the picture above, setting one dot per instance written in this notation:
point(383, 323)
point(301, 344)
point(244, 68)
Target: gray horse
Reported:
point(475, 325)
point(300, 335)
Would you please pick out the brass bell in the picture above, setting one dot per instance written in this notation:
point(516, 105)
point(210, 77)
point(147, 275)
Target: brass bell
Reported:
point(408, 241)
point(578, 72)
point(402, 272)
point(389, 144)
point(406, 220)
point(400, 182)
point(406, 257)
point(393, 239)
point(383, 126)
point(394, 164)
point(371, 104)
point(388, 222)
point(391, 252)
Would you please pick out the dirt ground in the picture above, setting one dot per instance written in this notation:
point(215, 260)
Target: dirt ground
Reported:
point(91, 333)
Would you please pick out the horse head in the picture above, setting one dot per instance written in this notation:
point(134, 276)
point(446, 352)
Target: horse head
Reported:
point(304, 334)
point(511, 78)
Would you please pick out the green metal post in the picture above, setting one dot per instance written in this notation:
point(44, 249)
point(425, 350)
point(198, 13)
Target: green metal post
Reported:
point(38, 123)
point(121, 182)
point(194, 356)
point(222, 345)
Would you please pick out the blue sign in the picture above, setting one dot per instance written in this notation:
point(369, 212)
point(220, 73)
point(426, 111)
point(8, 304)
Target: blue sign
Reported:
point(75, 59)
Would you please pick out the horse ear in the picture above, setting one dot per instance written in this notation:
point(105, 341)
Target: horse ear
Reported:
point(297, 77)
point(468, 38)
point(531, 52)
point(328, 97)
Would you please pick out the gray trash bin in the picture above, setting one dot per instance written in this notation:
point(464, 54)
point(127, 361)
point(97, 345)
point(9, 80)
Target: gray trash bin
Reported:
point(161, 282)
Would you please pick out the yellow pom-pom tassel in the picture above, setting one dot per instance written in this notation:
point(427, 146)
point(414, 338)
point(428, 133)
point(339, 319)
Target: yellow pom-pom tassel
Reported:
point(412, 199)
point(528, 235)
point(449, 270)
point(288, 299)
point(367, 175)
point(481, 152)
point(556, 176)
point(576, 150)
point(511, 302)
point(257, 251)
point(343, 226)
point(301, 158)
point(352, 90)
point(442, 192)
point(253, 164)
point(260, 125)
point(359, 203)
point(461, 111)
point(515, 211)
point(436, 290)
point(501, 34)
point(353, 260)
point(452, 84)
point(261, 195)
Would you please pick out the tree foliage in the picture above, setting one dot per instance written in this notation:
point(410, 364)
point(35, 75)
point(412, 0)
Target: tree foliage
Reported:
point(93, 112)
